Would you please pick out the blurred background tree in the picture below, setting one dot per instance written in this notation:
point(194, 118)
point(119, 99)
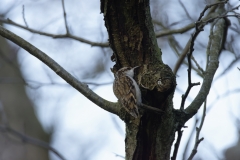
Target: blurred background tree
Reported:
point(16, 111)
point(65, 113)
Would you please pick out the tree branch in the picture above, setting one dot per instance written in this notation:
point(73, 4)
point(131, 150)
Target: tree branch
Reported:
point(176, 146)
point(31, 140)
point(199, 28)
point(67, 35)
point(210, 15)
point(65, 17)
point(198, 129)
point(184, 155)
point(185, 10)
point(23, 15)
point(215, 49)
point(82, 88)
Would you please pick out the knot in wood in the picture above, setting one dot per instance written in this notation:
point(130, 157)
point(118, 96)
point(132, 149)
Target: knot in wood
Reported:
point(162, 79)
point(167, 80)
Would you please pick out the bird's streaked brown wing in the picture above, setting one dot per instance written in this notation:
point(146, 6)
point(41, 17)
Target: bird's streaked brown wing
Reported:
point(126, 94)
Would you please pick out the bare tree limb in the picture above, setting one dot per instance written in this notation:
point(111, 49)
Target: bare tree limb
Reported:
point(184, 155)
point(23, 15)
point(174, 31)
point(65, 18)
point(211, 14)
point(198, 129)
point(118, 155)
point(96, 44)
point(209, 6)
point(176, 146)
point(198, 66)
point(215, 49)
point(185, 10)
point(222, 96)
point(37, 84)
point(31, 140)
point(199, 28)
point(228, 67)
point(82, 88)
point(181, 57)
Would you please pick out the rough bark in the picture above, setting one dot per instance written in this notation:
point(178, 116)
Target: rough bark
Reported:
point(132, 38)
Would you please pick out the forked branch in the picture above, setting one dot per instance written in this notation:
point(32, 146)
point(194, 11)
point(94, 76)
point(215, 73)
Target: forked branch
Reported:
point(215, 48)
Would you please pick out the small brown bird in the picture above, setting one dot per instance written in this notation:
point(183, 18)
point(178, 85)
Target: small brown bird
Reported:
point(127, 90)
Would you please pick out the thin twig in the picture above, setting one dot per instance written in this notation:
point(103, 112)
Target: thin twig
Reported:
point(222, 96)
point(197, 70)
point(37, 84)
point(97, 44)
point(221, 16)
point(185, 10)
point(65, 18)
point(199, 28)
point(184, 156)
point(209, 6)
point(198, 129)
point(176, 146)
point(118, 155)
point(98, 84)
point(211, 13)
point(181, 57)
point(198, 66)
point(184, 96)
point(31, 140)
point(228, 68)
point(23, 15)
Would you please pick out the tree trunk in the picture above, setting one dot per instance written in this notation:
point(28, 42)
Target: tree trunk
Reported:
point(132, 38)
point(133, 41)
